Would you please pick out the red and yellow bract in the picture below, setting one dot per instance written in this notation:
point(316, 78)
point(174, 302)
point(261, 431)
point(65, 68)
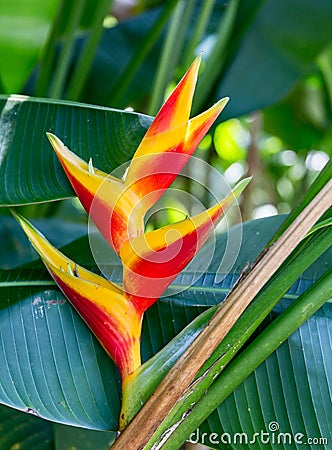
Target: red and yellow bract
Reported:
point(119, 206)
point(152, 260)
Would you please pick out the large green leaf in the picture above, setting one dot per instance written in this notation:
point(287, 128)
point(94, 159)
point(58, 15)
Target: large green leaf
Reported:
point(26, 155)
point(23, 30)
point(60, 372)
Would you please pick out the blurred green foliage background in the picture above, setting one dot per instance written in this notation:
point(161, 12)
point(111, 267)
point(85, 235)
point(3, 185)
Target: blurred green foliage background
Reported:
point(273, 58)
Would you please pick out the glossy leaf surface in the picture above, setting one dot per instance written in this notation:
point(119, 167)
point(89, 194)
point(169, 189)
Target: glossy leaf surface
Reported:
point(85, 129)
point(39, 318)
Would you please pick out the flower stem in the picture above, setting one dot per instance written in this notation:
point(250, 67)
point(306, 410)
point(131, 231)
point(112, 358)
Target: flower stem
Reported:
point(252, 356)
point(179, 378)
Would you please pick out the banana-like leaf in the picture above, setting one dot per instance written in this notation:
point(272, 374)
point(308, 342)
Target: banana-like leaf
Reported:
point(107, 136)
point(59, 370)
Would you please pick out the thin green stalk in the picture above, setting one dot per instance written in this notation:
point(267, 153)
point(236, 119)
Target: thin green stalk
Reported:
point(2, 87)
point(83, 65)
point(201, 24)
point(61, 72)
point(182, 33)
point(325, 64)
point(170, 53)
point(47, 59)
point(124, 80)
point(266, 343)
point(246, 325)
point(272, 292)
point(216, 60)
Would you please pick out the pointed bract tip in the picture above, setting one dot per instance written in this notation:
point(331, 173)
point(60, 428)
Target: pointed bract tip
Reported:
point(197, 61)
point(27, 227)
point(223, 102)
point(56, 143)
point(53, 138)
point(20, 219)
point(240, 187)
point(242, 184)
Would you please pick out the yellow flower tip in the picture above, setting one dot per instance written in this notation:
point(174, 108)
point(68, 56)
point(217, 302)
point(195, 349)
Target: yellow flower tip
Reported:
point(54, 140)
point(199, 125)
point(67, 158)
point(222, 102)
point(234, 194)
point(196, 64)
point(58, 146)
point(104, 306)
point(31, 232)
point(240, 187)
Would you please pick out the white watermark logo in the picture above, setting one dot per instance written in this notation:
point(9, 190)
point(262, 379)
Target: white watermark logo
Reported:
point(272, 435)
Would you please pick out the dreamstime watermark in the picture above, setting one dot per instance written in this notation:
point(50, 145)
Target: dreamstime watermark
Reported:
point(271, 436)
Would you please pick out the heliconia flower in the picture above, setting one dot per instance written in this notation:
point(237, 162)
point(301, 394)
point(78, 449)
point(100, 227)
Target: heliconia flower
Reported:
point(112, 317)
point(152, 261)
point(119, 206)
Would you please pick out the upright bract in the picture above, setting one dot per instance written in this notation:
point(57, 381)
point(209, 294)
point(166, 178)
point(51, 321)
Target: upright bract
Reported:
point(119, 206)
point(152, 260)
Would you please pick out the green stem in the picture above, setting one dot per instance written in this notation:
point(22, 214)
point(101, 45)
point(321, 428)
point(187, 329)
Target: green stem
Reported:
point(2, 87)
point(202, 22)
point(153, 371)
point(266, 343)
point(253, 316)
point(120, 87)
point(325, 64)
point(83, 65)
point(180, 383)
point(170, 53)
point(61, 72)
point(216, 60)
point(48, 54)
point(272, 292)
